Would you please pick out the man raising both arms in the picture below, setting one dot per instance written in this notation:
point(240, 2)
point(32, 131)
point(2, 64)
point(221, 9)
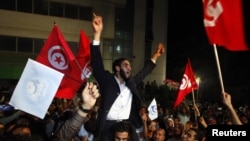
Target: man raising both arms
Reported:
point(120, 98)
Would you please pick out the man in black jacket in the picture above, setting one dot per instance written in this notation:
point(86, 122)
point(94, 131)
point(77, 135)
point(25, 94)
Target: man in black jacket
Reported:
point(119, 95)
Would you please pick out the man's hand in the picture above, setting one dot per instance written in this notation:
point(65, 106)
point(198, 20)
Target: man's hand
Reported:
point(89, 95)
point(226, 99)
point(159, 51)
point(97, 26)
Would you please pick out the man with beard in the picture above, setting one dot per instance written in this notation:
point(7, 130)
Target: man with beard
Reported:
point(119, 95)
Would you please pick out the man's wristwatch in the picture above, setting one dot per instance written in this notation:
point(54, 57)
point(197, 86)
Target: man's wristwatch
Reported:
point(84, 110)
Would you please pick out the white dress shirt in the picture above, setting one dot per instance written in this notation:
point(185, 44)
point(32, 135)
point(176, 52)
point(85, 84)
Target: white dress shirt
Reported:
point(121, 107)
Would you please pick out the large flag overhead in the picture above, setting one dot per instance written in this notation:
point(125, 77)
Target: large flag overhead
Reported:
point(36, 88)
point(188, 84)
point(81, 72)
point(223, 20)
point(57, 54)
point(152, 110)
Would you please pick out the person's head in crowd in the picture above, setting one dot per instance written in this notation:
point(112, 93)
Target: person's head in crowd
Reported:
point(189, 124)
point(21, 130)
point(122, 131)
point(152, 125)
point(243, 118)
point(143, 110)
point(194, 134)
point(176, 120)
point(178, 130)
point(228, 122)
point(212, 120)
point(159, 134)
point(170, 122)
point(122, 68)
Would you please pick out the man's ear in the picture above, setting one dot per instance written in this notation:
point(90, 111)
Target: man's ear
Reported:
point(117, 68)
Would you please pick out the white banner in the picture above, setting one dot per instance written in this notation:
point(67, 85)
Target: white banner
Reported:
point(152, 110)
point(36, 88)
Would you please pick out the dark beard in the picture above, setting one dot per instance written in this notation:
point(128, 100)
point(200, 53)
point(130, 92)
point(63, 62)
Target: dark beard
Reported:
point(123, 76)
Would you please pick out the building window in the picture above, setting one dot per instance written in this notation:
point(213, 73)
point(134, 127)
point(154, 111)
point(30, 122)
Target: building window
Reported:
point(50, 8)
point(108, 45)
point(56, 9)
point(71, 11)
point(127, 50)
point(118, 34)
point(38, 44)
point(8, 4)
point(85, 13)
point(24, 6)
point(41, 7)
point(25, 45)
point(118, 47)
point(124, 19)
point(7, 43)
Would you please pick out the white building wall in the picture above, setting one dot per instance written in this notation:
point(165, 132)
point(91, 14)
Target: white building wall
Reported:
point(139, 35)
point(39, 26)
point(160, 35)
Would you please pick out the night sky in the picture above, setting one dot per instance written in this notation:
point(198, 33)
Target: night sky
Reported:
point(187, 38)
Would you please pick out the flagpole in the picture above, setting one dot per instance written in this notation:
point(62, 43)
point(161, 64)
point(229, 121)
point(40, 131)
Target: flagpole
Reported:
point(218, 66)
point(78, 64)
point(195, 115)
point(193, 96)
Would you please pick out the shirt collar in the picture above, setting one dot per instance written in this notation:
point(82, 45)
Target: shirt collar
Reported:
point(118, 81)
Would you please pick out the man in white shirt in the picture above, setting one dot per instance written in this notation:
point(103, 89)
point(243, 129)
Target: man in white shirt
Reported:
point(120, 99)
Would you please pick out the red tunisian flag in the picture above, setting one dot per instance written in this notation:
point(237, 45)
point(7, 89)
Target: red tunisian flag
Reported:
point(81, 69)
point(57, 54)
point(223, 20)
point(188, 84)
point(83, 59)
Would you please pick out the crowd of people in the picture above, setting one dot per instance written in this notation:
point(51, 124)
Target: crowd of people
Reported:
point(112, 110)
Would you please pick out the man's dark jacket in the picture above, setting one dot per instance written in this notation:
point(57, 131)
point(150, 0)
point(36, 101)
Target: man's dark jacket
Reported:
point(109, 89)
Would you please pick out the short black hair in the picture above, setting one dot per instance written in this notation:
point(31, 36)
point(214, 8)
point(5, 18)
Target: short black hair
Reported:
point(122, 126)
point(117, 62)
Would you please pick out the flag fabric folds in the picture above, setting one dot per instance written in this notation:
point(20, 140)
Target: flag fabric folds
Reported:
point(223, 20)
point(83, 59)
point(57, 54)
point(152, 110)
point(36, 88)
point(81, 69)
point(188, 84)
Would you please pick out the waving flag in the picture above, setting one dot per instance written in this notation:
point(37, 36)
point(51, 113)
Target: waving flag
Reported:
point(57, 54)
point(152, 110)
point(36, 88)
point(188, 84)
point(82, 69)
point(223, 20)
point(83, 58)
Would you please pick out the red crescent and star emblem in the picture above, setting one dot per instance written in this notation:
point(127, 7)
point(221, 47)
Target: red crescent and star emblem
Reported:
point(57, 58)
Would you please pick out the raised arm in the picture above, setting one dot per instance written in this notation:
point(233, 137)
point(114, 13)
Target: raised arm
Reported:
point(71, 127)
point(97, 25)
point(226, 99)
point(158, 52)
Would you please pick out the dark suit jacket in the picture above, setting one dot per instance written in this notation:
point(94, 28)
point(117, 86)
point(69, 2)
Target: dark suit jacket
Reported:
point(109, 89)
